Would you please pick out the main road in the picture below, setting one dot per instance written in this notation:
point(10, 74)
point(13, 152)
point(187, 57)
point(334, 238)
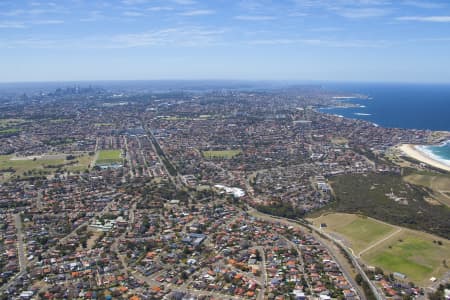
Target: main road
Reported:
point(379, 295)
point(20, 253)
point(176, 179)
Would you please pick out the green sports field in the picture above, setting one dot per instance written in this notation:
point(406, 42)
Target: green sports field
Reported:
point(363, 232)
point(359, 232)
point(107, 157)
point(417, 255)
point(227, 154)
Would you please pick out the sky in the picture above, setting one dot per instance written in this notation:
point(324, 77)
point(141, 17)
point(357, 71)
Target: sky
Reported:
point(331, 40)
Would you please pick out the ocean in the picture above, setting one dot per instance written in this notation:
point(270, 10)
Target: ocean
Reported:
point(413, 106)
point(437, 152)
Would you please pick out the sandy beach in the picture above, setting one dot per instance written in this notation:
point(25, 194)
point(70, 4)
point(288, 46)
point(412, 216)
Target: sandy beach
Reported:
point(413, 152)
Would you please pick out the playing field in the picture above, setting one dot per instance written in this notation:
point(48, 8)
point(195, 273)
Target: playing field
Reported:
point(339, 141)
point(394, 249)
point(107, 157)
point(227, 154)
point(12, 166)
point(103, 124)
point(415, 254)
point(359, 232)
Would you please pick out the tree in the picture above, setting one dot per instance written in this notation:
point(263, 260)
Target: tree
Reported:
point(359, 279)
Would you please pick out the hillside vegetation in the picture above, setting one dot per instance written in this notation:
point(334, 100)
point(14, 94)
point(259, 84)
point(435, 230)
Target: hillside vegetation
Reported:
point(388, 198)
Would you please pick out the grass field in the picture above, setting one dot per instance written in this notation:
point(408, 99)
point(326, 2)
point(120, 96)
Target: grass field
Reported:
point(10, 122)
point(106, 157)
point(227, 154)
point(10, 127)
point(394, 249)
point(41, 165)
point(411, 253)
point(339, 141)
point(9, 131)
point(362, 232)
point(58, 121)
point(103, 124)
point(84, 162)
point(359, 232)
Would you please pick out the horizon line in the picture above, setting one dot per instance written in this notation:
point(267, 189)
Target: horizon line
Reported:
point(226, 80)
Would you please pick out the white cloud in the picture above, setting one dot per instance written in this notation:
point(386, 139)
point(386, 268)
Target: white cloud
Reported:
point(132, 14)
point(435, 39)
point(184, 2)
point(326, 29)
point(253, 5)
point(184, 37)
point(424, 4)
point(48, 22)
point(160, 8)
point(31, 43)
point(173, 37)
point(273, 42)
point(13, 13)
point(254, 18)
point(198, 12)
point(433, 19)
point(323, 43)
point(298, 14)
point(362, 13)
point(352, 9)
point(93, 16)
point(12, 25)
point(134, 2)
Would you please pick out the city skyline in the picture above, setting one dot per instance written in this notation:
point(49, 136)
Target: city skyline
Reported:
point(345, 40)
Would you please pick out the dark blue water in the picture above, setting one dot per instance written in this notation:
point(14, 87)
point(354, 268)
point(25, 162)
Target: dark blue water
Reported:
point(438, 152)
point(399, 105)
point(402, 106)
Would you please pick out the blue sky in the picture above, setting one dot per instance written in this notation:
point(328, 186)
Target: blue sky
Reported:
point(345, 40)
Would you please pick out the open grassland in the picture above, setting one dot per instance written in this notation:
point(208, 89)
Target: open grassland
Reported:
point(107, 157)
point(10, 122)
point(438, 183)
point(9, 131)
point(394, 249)
point(418, 255)
point(59, 121)
point(84, 162)
point(13, 166)
point(358, 231)
point(227, 154)
point(9, 127)
point(103, 124)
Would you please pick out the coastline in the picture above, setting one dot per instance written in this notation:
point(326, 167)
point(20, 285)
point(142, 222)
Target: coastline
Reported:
point(412, 151)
